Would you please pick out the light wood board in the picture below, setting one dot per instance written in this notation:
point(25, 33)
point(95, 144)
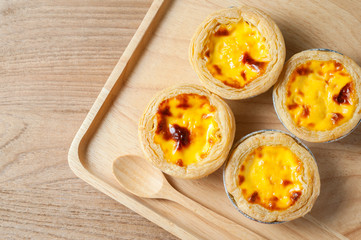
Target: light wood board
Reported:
point(55, 58)
point(157, 58)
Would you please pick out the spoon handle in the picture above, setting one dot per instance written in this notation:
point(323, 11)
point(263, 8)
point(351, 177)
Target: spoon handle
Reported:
point(225, 228)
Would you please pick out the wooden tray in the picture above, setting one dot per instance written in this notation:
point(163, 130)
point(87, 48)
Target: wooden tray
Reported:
point(157, 57)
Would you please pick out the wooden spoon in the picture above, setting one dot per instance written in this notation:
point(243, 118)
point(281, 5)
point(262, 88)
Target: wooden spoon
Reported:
point(143, 180)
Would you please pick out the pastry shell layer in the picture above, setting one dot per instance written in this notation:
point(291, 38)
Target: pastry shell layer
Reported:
point(217, 154)
point(268, 29)
point(280, 91)
point(311, 178)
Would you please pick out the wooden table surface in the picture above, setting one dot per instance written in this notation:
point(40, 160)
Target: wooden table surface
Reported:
point(55, 56)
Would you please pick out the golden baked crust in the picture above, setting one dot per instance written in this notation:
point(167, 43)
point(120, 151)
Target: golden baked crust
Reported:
point(267, 28)
point(280, 95)
point(218, 151)
point(310, 178)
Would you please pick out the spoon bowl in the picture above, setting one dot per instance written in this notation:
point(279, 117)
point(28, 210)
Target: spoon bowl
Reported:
point(138, 177)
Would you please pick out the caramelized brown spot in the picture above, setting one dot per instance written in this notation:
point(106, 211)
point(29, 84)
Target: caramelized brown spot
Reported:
point(179, 162)
point(293, 78)
point(303, 70)
point(203, 155)
point(244, 191)
point(210, 141)
point(253, 198)
point(338, 66)
point(204, 98)
point(286, 182)
point(243, 75)
point(272, 204)
point(242, 168)
point(292, 106)
point(256, 65)
point(259, 154)
point(218, 70)
point(344, 96)
point(306, 111)
point(288, 93)
point(222, 31)
point(311, 125)
point(274, 198)
point(240, 179)
point(299, 92)
point(164, 110)
point(162, 127)
point(207, 53)
point(183, 101)
point(212, 108)
point(295, 196)
point(181, 135)
point(162, 113)
point(234, 84)
point(344, 74)
point(336, 117)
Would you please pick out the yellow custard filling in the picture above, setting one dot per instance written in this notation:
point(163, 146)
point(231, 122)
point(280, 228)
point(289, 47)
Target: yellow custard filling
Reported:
point(237, 53)
point(320, 95)
point(186, 128)
point(271, 176)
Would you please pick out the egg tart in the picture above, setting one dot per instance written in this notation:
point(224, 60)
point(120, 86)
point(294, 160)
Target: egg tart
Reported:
point(272, 177)
point(238, 52)
point(317, 97)
point(186, 131)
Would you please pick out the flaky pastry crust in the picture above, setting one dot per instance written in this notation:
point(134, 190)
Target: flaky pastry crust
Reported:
point(217, 154)
point(310, 179)
point(279, 95)
point(265, 25)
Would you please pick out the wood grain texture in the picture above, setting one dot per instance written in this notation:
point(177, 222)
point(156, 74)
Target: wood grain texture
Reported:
point(55, 57)
point(110, 129)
